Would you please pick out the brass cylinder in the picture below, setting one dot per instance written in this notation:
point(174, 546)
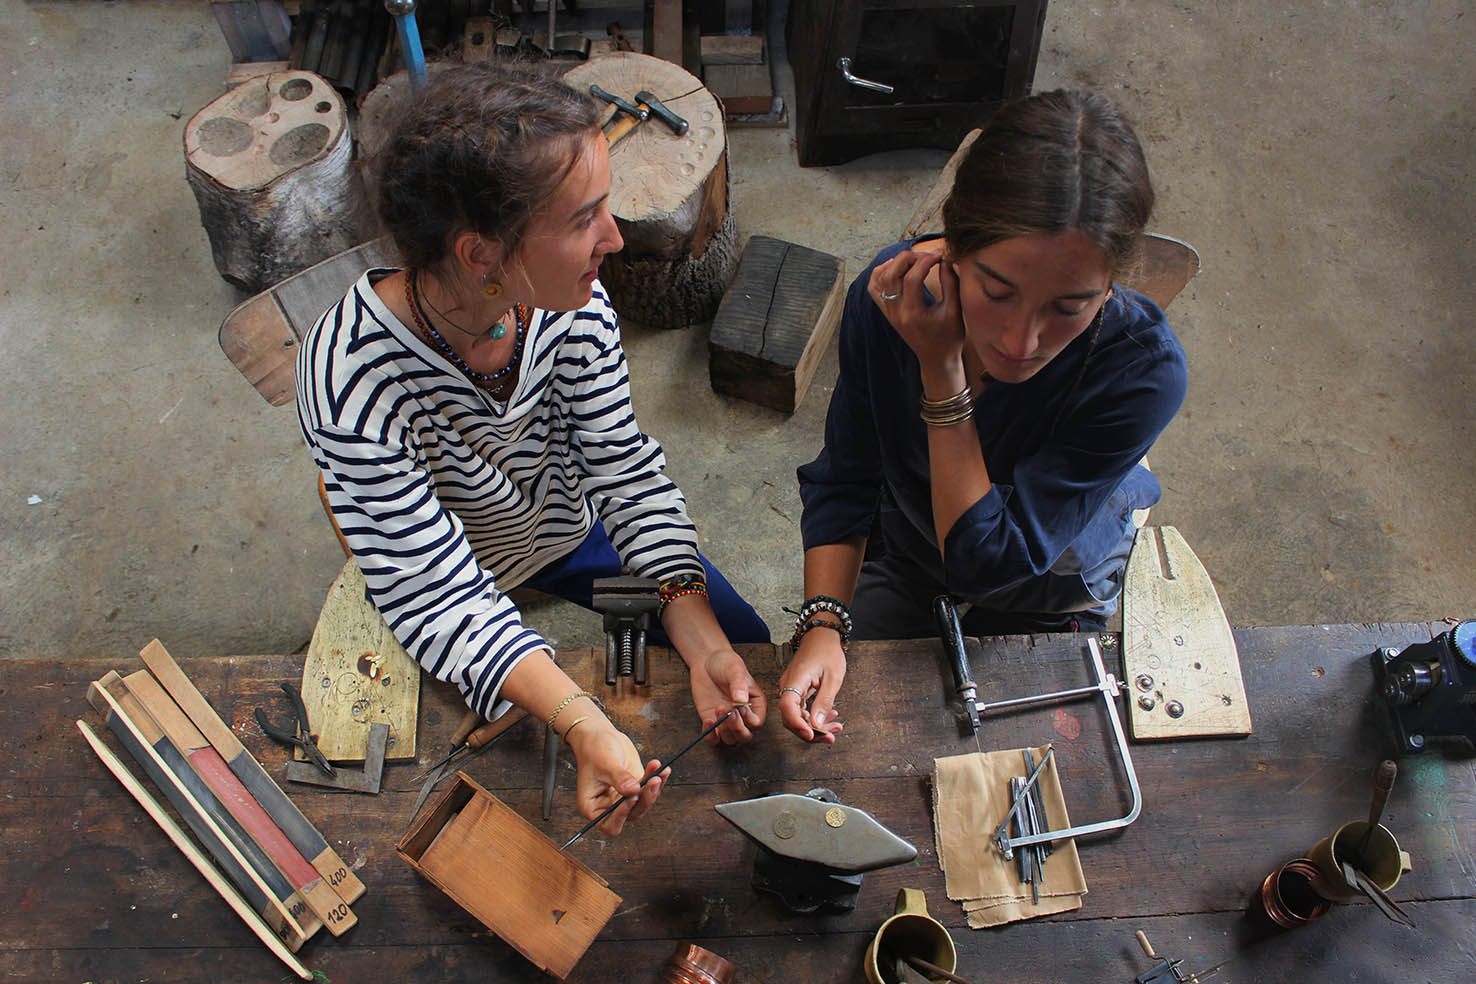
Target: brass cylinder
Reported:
point(691, 964)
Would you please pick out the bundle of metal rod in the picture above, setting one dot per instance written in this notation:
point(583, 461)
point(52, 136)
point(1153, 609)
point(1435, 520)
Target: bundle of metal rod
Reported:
point(1027, 819)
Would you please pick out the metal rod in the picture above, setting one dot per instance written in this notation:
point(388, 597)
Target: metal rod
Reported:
point(985, 708)
point(1108, 686)
point(661, 764)
point(1003, 830)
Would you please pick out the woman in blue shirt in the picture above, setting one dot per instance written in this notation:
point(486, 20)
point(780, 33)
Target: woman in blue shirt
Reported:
point(997, 392)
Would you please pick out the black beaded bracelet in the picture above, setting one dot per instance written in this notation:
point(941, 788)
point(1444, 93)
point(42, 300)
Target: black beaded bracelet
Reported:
point(817, 623)
point(824, 603)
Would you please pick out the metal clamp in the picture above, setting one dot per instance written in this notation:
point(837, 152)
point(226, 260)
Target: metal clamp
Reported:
point(1107, 685)
point(845, 66)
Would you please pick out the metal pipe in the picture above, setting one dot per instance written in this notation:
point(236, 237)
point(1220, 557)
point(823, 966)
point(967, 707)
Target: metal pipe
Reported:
point(985, 708)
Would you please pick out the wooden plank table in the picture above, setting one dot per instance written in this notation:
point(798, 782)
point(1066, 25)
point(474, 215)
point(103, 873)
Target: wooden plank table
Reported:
point(98, 894)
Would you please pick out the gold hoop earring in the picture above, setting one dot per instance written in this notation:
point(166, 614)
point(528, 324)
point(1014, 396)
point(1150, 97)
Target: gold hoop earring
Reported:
point(491, 288)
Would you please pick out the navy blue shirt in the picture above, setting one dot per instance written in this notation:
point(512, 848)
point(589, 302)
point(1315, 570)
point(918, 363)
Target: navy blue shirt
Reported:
point(1062, 449)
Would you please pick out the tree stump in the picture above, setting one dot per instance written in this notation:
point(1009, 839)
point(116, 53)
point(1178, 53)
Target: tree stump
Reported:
point(669, 196)
point(270, 163)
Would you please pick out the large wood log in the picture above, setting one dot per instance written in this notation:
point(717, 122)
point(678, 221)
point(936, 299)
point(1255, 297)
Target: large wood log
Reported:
point(669, 196)
point(270, 165)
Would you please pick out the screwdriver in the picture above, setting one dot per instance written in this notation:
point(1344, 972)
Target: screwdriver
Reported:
point(468, 737)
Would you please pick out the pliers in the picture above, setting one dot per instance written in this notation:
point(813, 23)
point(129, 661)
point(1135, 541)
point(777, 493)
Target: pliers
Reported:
point(298, 734)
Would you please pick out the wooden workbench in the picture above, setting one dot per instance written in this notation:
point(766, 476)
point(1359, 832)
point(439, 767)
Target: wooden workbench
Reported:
point(96, 893)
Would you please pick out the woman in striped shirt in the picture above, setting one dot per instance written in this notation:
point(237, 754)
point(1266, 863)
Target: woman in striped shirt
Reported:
point(471, 416)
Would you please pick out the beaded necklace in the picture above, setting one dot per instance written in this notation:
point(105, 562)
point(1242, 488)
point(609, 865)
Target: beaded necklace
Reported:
point(497, 380)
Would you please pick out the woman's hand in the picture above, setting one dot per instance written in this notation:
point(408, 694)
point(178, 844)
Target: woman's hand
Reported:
point(808, 688)
point(934, 332)
point(609, 770)
point(721, 681)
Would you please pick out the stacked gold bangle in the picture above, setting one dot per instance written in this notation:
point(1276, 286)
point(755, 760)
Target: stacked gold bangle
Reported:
point(566, 702)
point(945, 413)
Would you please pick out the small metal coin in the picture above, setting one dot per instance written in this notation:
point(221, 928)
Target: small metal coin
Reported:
point(835, 816)
point(784, 825)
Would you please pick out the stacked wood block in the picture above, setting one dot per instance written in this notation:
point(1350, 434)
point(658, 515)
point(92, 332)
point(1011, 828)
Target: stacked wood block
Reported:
point(775, 322)
point(736, 68)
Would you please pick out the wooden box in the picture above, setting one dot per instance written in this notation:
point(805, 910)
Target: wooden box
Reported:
point(774, 322)
point(498, 867)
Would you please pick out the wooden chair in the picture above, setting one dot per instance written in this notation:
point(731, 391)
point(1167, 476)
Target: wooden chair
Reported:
point(261, 335)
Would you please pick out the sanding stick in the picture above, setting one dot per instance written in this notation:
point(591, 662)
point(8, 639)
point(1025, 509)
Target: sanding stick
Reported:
point(303, 835)
point(202, 864)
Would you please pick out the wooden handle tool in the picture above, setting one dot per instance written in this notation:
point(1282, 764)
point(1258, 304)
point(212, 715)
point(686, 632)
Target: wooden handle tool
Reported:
point(1383, 782)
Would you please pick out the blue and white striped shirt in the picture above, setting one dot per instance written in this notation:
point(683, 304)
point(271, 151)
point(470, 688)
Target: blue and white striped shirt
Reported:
point(448, 499)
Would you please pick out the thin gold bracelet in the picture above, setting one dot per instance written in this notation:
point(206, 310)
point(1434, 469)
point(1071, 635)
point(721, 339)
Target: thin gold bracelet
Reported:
point(566, 702)
point(577, 722)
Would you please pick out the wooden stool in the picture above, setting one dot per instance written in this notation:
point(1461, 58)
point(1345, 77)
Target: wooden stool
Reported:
point(669, 195)
point(271, 166)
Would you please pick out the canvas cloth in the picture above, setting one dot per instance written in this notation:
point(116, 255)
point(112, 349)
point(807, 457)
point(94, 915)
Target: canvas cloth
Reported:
point(970, 798)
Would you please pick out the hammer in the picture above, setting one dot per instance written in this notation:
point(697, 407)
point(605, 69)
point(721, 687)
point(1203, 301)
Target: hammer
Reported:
point(616, 105)
point(649, 105)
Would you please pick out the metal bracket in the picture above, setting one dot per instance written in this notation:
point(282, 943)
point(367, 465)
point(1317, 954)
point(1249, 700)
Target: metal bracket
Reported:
point(1107, 685)
point(343, 779)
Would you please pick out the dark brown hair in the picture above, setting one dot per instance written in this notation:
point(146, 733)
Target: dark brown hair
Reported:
point(481, 150)
point(1047, 164)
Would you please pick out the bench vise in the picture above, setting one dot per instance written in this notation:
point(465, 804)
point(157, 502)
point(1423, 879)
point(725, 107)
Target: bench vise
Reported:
point(812, 849)
point(1430, 688)
point(627, 604)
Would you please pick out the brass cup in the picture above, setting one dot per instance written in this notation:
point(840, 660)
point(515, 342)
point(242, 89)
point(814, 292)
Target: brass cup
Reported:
point(910, 931)
point(1381, 860)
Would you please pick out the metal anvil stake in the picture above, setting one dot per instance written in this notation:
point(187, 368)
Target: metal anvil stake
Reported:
point(812, 849)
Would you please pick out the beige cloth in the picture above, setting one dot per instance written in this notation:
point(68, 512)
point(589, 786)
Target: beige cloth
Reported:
point(970, 798)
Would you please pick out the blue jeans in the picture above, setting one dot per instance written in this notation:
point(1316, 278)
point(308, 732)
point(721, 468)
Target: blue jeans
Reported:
point(573, 580)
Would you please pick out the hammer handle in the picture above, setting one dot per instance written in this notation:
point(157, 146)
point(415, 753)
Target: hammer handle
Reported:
point(618, 132)
point(1383, 782)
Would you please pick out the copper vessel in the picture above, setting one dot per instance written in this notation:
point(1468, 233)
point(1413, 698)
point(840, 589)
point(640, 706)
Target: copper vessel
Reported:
point(691, 964)
point(1287, 896)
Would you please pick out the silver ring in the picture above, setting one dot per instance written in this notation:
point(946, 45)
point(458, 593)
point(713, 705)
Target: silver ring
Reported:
point(890, 297)
point(793, 690)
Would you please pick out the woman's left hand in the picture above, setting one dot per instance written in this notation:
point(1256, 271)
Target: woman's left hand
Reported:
point(720, 682)
point(934, 332)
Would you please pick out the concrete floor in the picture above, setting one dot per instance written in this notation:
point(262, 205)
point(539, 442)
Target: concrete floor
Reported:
point(1319, 156)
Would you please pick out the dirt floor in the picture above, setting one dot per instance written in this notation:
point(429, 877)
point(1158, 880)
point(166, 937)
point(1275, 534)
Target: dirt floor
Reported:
point(1319, 158)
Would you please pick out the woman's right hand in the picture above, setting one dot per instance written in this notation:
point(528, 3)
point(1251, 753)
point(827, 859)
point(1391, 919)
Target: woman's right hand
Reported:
point(808, 688)
point(934, 332)
point(610, 770)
